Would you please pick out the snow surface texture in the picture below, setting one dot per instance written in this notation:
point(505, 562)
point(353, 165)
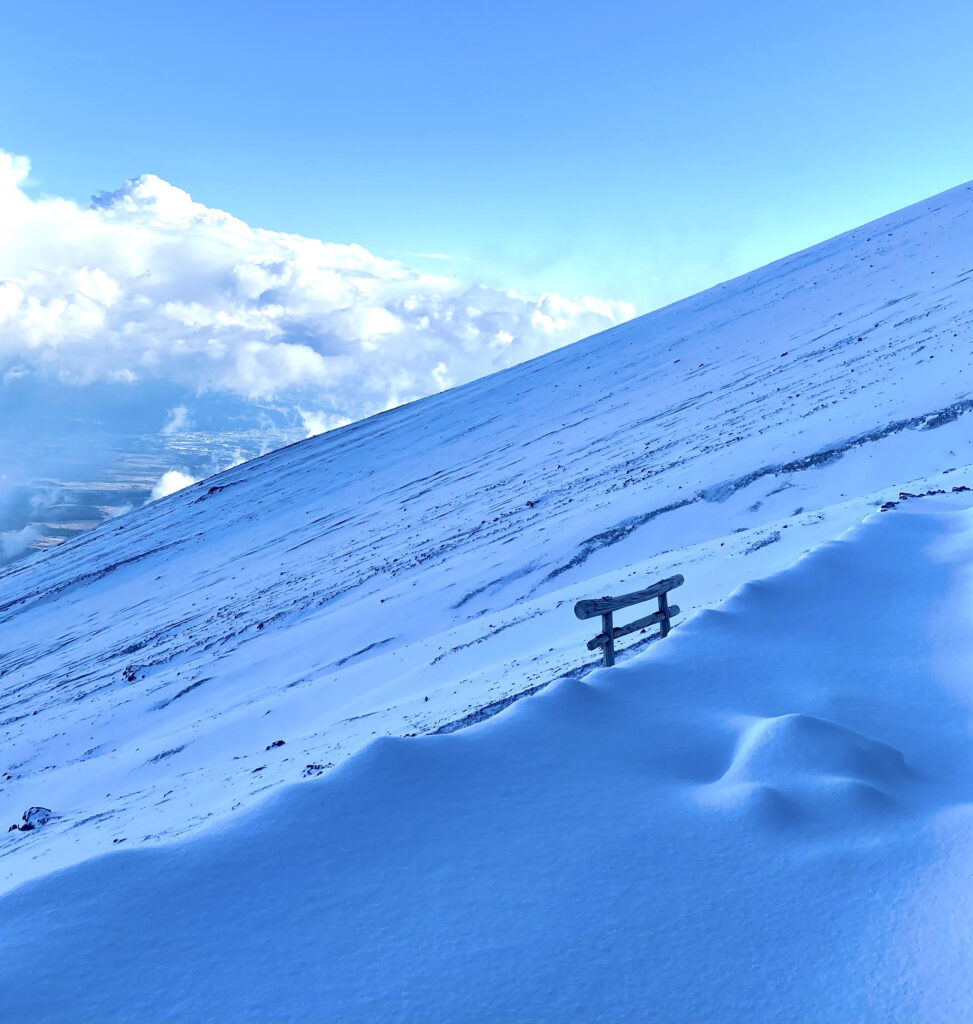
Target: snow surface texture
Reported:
point(415, 572)
point(767, 817)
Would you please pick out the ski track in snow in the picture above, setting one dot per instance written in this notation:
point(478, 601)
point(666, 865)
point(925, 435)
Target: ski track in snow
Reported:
point(416, 571)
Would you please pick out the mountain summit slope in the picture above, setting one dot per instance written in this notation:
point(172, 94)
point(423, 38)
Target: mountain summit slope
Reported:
point(744, 824)
point(416, 570)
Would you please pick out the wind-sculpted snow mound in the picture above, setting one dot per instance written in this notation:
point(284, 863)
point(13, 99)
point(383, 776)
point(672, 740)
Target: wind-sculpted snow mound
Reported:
point(773, 748)
point(581, 857)
point(796, 766)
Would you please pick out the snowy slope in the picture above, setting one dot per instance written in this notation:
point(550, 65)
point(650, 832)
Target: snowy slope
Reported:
point(400, 574)
point(767, 817)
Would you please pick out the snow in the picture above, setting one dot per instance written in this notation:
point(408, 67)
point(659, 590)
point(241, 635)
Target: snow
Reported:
point(765, 817)
point(403, 577)
point(320, 594)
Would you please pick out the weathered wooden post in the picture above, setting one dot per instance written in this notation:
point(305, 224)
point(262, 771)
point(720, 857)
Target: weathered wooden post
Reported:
point(664, 614)
point(609, 632)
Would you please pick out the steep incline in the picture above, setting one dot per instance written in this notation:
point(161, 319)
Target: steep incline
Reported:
point(745, 824)
point(321, 594)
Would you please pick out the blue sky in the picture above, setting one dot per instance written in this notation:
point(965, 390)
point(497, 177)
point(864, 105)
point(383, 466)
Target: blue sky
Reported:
point(634, 151)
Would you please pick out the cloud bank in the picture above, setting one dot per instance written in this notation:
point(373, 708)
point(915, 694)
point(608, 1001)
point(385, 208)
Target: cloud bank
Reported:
point(148, 339)
point(147, 286)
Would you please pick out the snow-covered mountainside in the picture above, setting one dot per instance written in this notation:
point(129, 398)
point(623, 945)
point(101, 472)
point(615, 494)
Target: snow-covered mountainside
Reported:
point(767, 817)
point(413, 572)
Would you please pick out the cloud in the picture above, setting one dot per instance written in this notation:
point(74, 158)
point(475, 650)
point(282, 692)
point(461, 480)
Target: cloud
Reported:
point(170, 334)
point(317, 422)
point(177, 420)
point(171, 481)
point(147, 287)
point(14, 543)
point(433, 256)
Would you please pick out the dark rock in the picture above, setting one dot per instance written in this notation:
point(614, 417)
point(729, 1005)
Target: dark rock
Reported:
point(35, 816)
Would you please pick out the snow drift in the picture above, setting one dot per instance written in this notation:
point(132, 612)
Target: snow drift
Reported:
point(767, 817)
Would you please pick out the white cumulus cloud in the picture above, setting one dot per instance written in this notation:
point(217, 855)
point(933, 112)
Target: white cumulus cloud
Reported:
point(14, 543)
point(147, 286)
point(171, 481)
point(315, 422)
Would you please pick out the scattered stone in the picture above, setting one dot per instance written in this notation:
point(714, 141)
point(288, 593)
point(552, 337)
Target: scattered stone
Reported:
point(276, 743)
